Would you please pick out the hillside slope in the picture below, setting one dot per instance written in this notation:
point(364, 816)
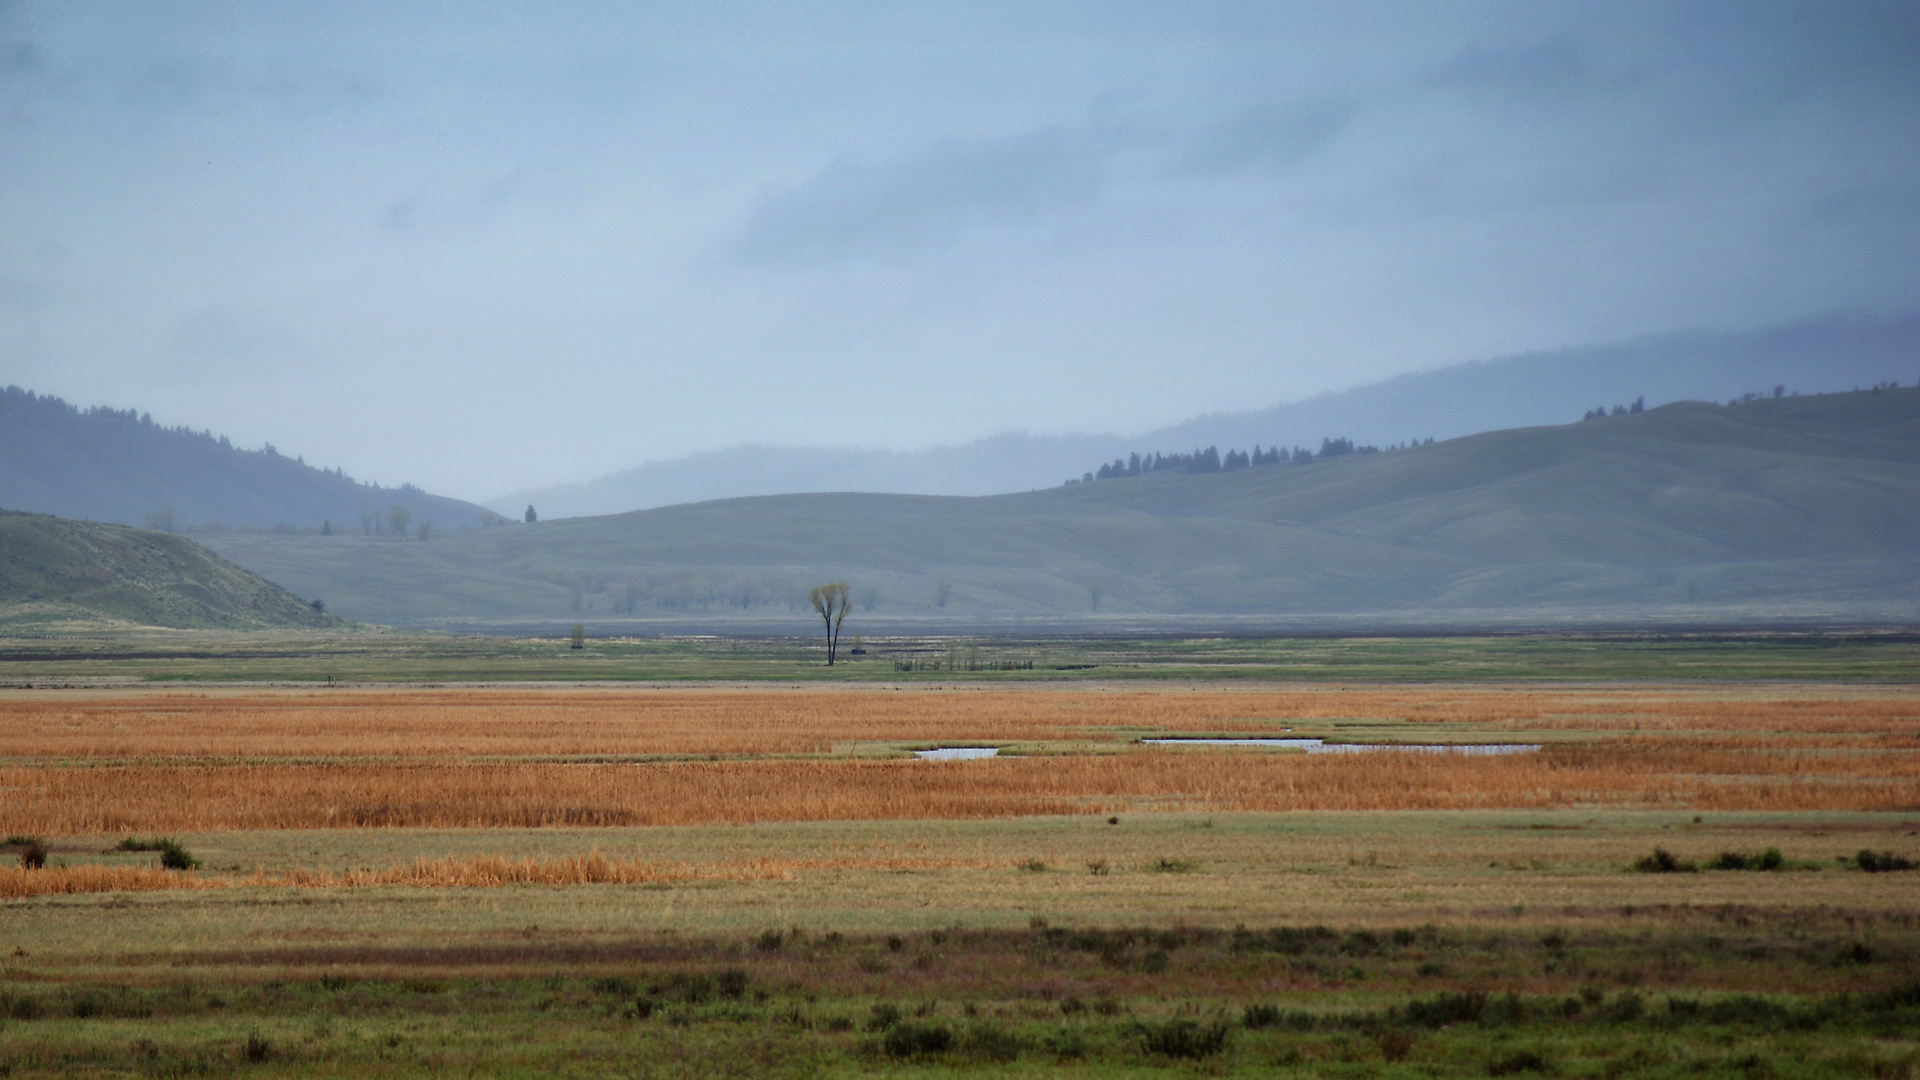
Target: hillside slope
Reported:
point(1462, 399)
point(108, 465)
point(56, 573)
point(1809, 504)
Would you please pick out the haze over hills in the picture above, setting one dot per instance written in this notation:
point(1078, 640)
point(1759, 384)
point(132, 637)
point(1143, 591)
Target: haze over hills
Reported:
point(105, 464)
point(1800, 506)
point(1517, 391)
point(57, 574)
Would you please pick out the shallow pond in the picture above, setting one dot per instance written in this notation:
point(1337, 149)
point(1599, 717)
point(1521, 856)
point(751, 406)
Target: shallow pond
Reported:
point(957, 753)
point(1319, 746)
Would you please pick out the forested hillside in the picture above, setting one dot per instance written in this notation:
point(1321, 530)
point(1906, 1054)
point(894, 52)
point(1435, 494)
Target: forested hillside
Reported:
point(104, 464)
point(1807, 504)
point(60, 574)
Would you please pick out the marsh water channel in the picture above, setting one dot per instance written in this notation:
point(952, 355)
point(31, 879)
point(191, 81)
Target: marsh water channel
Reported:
point(1311, 746)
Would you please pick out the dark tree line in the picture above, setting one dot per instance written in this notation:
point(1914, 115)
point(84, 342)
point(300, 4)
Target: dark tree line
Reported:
point(1211, 460)
point(1639, 406)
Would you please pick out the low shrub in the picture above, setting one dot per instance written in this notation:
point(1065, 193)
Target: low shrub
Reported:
point(1395, 1045)
point(910, 1040)
point(991, 1042)
point(256, 1049)
point(1882, 862)
point(1662, 861)
point(883, 1016)
point(1256, 1017)
point(769, 941)
point(1183, 1038)
point(1066, 1044)
point(175, 857)
point(1443, 1009)
point(1032, 866)
point(34, 855)
point(1518, 1062)
point(732, 983)
point(1770, 859)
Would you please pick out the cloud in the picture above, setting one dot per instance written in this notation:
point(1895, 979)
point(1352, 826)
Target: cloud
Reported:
point(223, 343)
point(849, 210)
point(21, 294)
point(1544, 71)
point(1274, 135)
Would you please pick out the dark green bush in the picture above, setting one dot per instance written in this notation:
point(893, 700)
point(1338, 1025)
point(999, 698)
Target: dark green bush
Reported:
point(883, 1016)
point(1258, 1016)
point(1881, 863)
point(910, 1040)
point(769, 941)
point(1183, 1038)
point(1770, 859)
point(256, 1048)
point(1443, 1009)
point(175, 857)
point(1518, 1062)
point(1066, 1043)
point(683, 987)
point(1662, 861)
point(732, 983)
point(991, 1042)
point(34, 855)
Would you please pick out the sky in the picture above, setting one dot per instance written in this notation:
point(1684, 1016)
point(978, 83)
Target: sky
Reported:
point(483, 247)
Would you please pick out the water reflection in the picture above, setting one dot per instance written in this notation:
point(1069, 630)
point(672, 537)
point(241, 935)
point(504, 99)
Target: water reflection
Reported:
point(1320, 746)
point(957, 753)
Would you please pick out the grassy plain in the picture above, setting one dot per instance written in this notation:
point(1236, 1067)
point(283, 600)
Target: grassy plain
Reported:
point(939, 658)
point(760, 880)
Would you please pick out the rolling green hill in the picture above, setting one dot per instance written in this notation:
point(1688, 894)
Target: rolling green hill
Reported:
point(60, 574)
point(1805, 505)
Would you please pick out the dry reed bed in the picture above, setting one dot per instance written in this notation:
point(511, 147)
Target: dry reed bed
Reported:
point(522, 723)
point(115, 799)
point(484, 871)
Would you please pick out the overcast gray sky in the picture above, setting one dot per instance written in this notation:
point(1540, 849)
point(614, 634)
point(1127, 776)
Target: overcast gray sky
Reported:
point(483, 247)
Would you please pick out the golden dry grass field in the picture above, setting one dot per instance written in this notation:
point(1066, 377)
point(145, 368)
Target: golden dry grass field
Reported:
point(105, 762)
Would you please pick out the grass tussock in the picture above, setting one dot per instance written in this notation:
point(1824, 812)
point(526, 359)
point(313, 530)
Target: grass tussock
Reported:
point(19, 882)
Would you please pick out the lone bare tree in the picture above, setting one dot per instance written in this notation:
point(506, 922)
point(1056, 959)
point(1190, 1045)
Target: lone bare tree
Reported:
point(832, 602)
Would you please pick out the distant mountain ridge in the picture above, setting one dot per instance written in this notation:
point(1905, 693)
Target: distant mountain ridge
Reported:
point(57, 574)
point(104, 464)
point(1517, 391)
point(1803, 507)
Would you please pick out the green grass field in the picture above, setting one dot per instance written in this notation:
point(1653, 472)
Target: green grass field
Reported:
point(1325, 944)
point(397, 656)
